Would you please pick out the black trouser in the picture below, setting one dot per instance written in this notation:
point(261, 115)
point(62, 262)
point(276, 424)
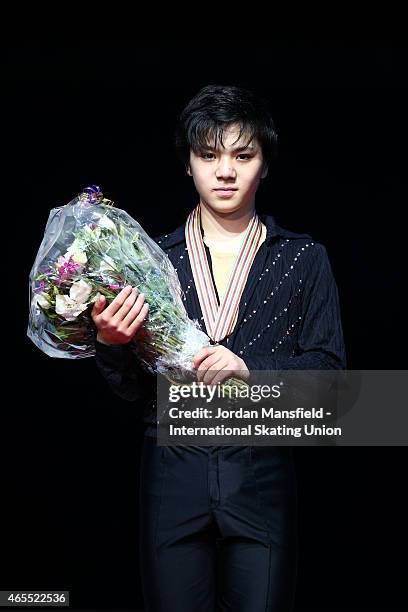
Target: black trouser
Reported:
point(217, 528)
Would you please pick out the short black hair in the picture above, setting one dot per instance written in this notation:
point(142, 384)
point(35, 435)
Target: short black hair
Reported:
point(214, 108)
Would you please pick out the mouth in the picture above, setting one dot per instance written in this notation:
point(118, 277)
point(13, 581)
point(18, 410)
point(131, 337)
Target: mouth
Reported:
point(225, 192)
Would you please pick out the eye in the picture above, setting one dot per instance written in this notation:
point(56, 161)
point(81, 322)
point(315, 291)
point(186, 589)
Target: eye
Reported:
point(205, 155)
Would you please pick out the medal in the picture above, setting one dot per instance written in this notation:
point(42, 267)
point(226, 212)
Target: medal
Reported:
point(219, 320)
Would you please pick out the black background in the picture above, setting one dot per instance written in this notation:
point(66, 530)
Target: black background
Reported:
point(77, 115)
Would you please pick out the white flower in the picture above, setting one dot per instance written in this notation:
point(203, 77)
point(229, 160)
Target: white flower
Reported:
point(67, 308)
point(80, 257)
point(76, 247)
point(80, 291)
point(106, 223)
point(76, 251)
point(70, 306)
point(41, 300)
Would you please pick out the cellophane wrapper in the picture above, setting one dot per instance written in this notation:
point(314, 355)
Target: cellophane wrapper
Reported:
point(91, 247)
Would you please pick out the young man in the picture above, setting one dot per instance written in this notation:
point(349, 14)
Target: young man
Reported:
point(218, 524)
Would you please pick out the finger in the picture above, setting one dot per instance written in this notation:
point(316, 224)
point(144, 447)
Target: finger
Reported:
point(127, 305)
point(198, 357)
point(202, 354)
point(220, 376)
point(134, 327)
point(118, 301)
point(212, 373)
point(207, 363)
point(134, 311)
point(98, 306)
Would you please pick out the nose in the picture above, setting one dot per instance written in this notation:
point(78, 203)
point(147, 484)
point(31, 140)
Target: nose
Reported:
point(225, 169)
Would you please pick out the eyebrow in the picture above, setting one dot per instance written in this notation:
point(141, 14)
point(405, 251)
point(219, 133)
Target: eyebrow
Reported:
point(235, 150)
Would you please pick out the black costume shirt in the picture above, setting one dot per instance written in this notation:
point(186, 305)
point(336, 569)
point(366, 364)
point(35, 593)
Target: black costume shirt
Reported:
point(288, 318)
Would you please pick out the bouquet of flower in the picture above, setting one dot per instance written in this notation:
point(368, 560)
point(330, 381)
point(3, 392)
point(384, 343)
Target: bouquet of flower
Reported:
point(90, 248)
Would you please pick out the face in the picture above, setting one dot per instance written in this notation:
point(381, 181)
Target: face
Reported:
point(227, 178)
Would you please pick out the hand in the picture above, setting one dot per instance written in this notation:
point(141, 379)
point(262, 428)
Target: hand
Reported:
point(122, 319)
point(222, 362)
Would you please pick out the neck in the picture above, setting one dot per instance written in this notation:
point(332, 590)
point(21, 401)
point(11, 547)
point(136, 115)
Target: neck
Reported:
point(224, 225)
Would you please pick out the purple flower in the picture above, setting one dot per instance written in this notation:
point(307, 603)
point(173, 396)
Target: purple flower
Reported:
point(41, 287)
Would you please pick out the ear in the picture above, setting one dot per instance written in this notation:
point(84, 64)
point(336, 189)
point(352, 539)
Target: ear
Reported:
point(188, 170)
point(264, 171)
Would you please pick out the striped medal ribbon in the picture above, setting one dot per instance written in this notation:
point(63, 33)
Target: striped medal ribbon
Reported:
point(219, 320)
